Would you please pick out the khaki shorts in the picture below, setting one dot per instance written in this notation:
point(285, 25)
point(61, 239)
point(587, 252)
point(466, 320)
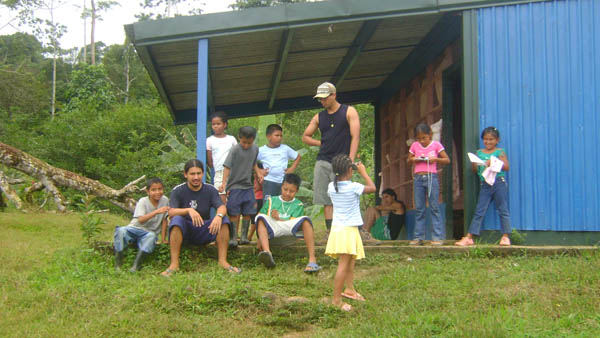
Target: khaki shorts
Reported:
point(218, 180)
point(322, 177)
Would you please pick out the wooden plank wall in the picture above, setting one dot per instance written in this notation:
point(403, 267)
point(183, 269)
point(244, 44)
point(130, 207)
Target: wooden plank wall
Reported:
point(419, 101)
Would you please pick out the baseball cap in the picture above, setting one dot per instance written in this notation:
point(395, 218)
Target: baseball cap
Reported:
point(325, 89)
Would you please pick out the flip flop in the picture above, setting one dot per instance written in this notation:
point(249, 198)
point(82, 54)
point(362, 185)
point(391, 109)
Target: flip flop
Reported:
point(168, 272)
point(266, 258)
point(356, 296)
point(312, 268)
point(234, 270)
point(344, 307)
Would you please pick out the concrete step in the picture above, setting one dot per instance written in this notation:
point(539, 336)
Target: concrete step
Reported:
point(402, 248)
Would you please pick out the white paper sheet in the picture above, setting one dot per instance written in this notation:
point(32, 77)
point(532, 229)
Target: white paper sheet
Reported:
point(475, 159)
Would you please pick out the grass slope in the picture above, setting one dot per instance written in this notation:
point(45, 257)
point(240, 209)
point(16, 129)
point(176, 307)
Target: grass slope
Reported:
point(51, 285)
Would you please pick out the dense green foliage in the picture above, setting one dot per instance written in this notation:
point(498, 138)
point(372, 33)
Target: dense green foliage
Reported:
point(244, 4)
point(110, 125)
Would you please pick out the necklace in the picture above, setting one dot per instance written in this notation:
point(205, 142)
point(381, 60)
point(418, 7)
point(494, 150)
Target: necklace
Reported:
point(285, 210)
point(331, 121)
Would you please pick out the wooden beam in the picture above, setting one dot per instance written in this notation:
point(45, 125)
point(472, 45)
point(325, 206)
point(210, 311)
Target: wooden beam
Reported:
point(284, 49)
point(445, 31)
point(362, 38)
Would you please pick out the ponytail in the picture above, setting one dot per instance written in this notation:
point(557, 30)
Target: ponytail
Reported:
point(335, 183)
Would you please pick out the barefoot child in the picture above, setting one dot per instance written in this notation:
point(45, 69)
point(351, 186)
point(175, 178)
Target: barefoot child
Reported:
point(425, 154)
point(150, 213)
point(217, 149)
point(497, 191)
point(284, 216)
point(344, 240)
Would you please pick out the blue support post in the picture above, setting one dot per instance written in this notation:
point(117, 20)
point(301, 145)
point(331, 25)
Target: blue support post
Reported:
point(201, 104)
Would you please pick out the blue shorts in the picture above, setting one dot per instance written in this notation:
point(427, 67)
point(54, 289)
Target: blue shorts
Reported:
point(271, 189)
point(241, 201)
point(192, 234)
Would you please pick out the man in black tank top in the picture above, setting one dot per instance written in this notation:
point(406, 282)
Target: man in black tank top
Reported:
point(339, 126)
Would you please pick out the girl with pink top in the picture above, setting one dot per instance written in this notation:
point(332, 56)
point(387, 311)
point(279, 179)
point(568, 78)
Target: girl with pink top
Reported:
point(425, 154)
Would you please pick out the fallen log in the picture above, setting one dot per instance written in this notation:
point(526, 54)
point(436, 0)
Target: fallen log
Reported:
point(10, 193)
point(52, 177)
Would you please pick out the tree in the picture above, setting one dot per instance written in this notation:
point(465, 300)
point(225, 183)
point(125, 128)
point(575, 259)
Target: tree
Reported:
point(11, 5)
point(89, 89)
point(21, 89)
point(45, 27)
point(244, 4)
point(52, 177)
point(160, 9)
point(127, 73)
point(18, 48)
point(99, 51)
point(95, 9)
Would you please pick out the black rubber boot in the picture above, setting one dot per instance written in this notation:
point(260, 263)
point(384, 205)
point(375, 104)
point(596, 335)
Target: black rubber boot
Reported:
point(233, 235)
point(118, 260)
point(245, 226)
point(139, 259)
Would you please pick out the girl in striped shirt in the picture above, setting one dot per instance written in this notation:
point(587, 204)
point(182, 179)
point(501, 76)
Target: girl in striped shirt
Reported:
point(344, 240)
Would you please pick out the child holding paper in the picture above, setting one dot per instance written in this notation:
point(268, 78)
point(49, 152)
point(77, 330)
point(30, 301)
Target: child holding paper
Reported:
point(494, 187)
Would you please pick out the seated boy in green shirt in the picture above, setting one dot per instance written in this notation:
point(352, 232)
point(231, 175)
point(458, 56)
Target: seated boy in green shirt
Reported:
point(284, 216)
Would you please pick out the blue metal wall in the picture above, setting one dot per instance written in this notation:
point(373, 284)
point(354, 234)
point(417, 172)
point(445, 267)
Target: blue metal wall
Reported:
point(539, 84)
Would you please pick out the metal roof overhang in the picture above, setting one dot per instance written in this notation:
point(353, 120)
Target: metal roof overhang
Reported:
point(269, 60)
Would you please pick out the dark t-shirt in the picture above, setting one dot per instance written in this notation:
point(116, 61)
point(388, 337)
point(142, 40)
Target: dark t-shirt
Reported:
point(240, 162)
point(202, 200)
point(335, 134)
point(395, 224)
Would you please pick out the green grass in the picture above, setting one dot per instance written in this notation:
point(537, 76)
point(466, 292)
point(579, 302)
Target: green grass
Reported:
point(52, 286)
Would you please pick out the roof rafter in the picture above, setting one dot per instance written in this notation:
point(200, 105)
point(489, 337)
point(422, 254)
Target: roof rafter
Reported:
point(281, 105)
point(284, 49)
point(362, 37)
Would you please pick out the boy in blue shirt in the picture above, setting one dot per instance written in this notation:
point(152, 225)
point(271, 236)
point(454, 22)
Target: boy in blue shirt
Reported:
point(274, 157)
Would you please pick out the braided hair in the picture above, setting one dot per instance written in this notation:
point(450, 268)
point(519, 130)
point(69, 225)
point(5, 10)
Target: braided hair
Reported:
point(340, 165)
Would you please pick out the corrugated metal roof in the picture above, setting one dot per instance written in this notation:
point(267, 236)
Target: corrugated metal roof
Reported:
point(539, 84)
point(265, 60)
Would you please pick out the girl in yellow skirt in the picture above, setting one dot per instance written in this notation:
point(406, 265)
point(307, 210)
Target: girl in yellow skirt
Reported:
point(344, 240)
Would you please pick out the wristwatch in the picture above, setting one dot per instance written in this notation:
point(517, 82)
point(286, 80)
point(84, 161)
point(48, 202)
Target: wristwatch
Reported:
point(220, 215)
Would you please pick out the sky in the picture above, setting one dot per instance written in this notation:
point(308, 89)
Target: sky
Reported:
point(110, 29)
